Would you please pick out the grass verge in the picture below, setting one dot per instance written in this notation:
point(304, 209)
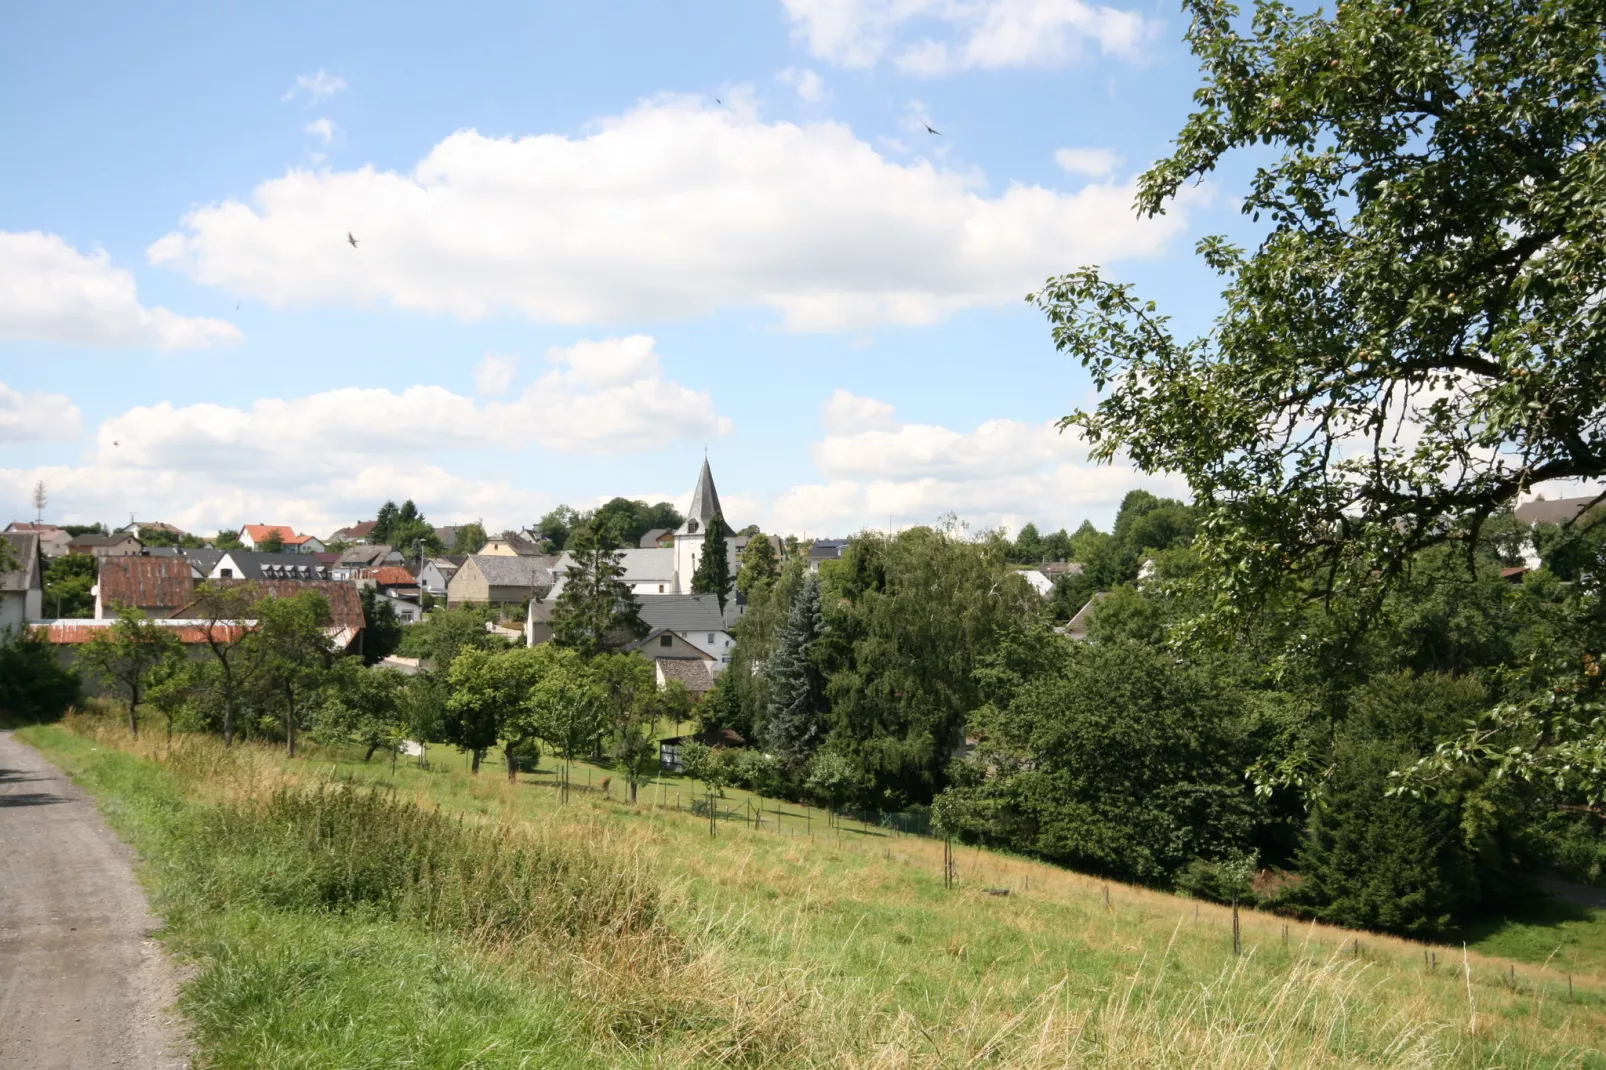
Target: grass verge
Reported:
point(322, 936)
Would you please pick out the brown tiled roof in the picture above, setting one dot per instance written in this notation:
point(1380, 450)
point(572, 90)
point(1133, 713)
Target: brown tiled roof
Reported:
point(691, 672)
point(345, 604)
point(146, 582)
point(391, 576)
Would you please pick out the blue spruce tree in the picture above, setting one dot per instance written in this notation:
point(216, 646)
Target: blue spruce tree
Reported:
point(796, 723)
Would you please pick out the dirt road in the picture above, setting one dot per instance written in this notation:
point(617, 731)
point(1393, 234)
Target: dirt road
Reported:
point(82, 985)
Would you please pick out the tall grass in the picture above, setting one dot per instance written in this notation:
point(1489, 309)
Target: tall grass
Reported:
point(598, 934)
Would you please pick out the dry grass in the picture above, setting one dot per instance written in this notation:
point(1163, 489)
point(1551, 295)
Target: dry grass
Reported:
point(845, 951)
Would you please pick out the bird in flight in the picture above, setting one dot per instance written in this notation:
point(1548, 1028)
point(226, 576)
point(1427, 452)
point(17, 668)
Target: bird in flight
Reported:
point(351, 240)
point(929, 130)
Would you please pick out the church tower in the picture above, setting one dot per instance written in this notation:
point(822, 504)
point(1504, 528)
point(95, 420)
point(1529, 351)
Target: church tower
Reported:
point(689, 538)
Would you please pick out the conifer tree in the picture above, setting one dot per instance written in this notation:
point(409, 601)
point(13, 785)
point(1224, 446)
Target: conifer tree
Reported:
point(796, 723)
point(713, 571)
point(597, 610)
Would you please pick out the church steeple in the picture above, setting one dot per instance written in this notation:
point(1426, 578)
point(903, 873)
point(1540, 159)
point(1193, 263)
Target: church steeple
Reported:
point(704, 504)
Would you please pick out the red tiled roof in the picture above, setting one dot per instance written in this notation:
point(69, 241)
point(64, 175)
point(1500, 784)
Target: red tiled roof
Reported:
point(258, 532)
point(73, 634)
point(146, 582)
point(295, 540)
point(391, 576)
point(363, 527)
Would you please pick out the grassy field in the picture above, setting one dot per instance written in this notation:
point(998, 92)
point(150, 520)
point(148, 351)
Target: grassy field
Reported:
point(751, 947)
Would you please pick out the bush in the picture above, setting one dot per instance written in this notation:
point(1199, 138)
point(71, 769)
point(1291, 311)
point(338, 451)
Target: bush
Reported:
point(34, 686)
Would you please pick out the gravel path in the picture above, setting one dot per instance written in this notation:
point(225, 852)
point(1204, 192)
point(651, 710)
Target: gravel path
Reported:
point(82, 984)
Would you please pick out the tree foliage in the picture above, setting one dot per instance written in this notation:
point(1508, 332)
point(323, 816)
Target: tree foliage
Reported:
point(69, 585)
point(596, 611)
point(760, 566)
point(797, 717)
point(1416, 338)
point(713, 573)
point(130, 656)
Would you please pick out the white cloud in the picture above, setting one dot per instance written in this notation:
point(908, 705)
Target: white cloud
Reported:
point(322, 128)
point(36, 417)
point(315, 86)
point(845, 413)
point(977, 33)
point(1095, 163)
point(495, 373)
point(877, 471)
point(671, 210)
point(809, 85)
point(49, 291)
point(315, 458)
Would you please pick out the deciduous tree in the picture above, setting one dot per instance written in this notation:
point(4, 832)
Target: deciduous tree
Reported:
point(130, 655)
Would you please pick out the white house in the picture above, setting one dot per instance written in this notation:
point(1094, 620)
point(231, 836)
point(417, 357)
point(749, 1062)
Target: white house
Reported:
point(253, 535)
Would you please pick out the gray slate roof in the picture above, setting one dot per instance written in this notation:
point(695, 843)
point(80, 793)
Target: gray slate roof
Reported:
point(25, 544)
point(687, 612)
point(704, 503)
point(363, 556)
point(521, 571)
point(1559, 511)
point(256, 566)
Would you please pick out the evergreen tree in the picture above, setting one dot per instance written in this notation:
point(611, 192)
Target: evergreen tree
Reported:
point(383, 523)
point(382, 629)
point(796, 724)
point(713, 571)
point(759, 565)
point(597, 610)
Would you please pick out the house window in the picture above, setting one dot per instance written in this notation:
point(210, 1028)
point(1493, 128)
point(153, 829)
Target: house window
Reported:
point(710, 637)
point(660, 588)
point(666, 640)
point(228, 573)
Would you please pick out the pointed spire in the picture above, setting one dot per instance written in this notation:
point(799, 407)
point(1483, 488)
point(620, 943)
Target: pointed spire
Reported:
point(704, 503)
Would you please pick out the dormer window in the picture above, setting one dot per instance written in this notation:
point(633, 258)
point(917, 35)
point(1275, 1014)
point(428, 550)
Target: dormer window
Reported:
point(666, 640)
point(691, 527)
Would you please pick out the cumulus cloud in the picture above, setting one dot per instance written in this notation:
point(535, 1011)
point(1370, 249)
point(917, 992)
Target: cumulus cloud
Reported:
point(36, 417)
point(973, 33)
point(495, 373)
point(675, 209)
point(314, 87)
point(322, 128)
point(1095, 163)
point(51, 292)
point(309, 459)
point(810, 86)
point(879, 471)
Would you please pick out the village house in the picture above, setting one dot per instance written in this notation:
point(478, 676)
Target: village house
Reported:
point(104, 546)
point(438, 572)
point(512, 544)
point(154, 585)
point(22, 589)
point(243, 565)
point(141, 528)
point(52, 540)
point(354, 559)
point(356, 533)
point(253, 536)
point(494, 579)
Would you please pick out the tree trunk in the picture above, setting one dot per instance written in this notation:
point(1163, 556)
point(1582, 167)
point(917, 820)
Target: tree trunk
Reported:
point(475, 768)
point(289, 723)
point(512, 763)
point(632, 790)
point(228, 704)
point(371, 748)
point(133, 717)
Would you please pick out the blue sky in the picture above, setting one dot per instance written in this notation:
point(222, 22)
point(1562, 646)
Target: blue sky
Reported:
point(594, 241)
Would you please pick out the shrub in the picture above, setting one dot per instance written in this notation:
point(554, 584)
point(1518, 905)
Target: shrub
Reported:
point(341, 848)
point(34, 686)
